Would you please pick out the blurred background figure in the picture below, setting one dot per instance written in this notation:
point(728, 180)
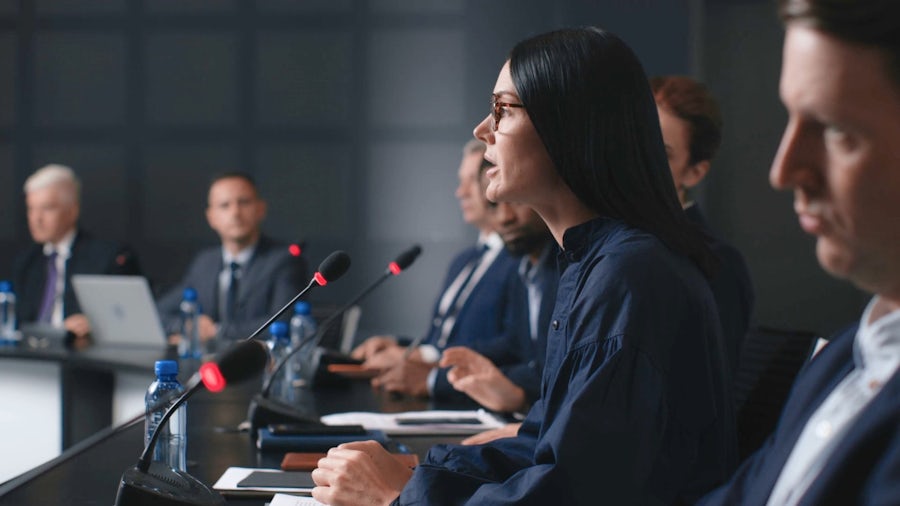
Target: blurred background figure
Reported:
point(42, 273)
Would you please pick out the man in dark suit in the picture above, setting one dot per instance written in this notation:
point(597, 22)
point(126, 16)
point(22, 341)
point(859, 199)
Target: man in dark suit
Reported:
point(692, 131)
point(838, 439)
point(515, 386)
point(243, 281)
point(470, 310)
point(42, 273)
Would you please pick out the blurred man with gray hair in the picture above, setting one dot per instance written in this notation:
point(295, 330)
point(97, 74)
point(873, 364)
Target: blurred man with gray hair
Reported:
point(42, 273)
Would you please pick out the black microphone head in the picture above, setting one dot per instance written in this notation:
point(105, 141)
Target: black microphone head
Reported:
point(332, 267)
point(242, 361)
point(409, 256)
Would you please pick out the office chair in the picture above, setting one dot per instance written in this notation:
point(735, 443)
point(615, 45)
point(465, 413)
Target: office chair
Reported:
point(770, 360)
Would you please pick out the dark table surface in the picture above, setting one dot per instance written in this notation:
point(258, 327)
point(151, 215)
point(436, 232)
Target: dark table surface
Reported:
point(89, 472)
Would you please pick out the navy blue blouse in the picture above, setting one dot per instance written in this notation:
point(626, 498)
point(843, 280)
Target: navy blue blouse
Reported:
point(635, 407)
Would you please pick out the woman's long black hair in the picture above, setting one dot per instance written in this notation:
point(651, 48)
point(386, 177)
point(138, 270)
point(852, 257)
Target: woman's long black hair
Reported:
point(590, 102)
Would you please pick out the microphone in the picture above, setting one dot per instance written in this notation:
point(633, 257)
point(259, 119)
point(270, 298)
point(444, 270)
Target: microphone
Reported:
point(332, 268)
point(400, 264)
point(264, 411)
point(155, 483)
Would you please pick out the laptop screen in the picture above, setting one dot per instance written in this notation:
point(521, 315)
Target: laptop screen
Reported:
point(121, 309)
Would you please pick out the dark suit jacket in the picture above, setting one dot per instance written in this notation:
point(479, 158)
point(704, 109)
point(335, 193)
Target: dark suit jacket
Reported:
point(271, 278)
point(731, 287)
point(481, 318)
point(865, 465)
point(89, 255)
point(528, 366)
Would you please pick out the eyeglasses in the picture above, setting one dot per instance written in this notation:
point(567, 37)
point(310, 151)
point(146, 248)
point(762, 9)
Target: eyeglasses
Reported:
point(497, 111)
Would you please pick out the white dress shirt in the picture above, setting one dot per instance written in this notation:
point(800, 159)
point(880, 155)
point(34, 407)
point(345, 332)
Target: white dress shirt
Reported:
point(876, 354)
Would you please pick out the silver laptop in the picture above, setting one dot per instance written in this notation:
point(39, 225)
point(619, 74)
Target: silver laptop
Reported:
point(121, 309)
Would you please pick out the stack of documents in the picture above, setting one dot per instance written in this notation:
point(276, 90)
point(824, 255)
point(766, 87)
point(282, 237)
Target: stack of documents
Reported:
point(420, 422)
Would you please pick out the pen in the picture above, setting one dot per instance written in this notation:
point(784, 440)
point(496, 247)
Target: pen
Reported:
point(412, 346)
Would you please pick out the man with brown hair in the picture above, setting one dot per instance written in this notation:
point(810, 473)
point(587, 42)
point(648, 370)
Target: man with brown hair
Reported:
point(838, 439)
point(692, 131)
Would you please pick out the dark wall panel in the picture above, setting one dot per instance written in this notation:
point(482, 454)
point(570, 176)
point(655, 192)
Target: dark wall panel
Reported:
point(305, 78)
point(80, 79)
point(416, 77)
point(306, 186)
point(7, 78)
point(192, 79)
point(11, 199)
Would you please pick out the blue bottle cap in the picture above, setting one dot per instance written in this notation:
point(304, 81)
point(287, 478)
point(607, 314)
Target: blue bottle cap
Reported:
point(189, 294)
point(278, 329)
point(5, 286)
point(166, 367)
point(302, 307)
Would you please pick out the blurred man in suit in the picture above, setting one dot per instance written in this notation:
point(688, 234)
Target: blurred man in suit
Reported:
point(469, 311)
point(42, 274)
point(515, 386)
point(692, 131)
point(838, 438)
point(243, 281)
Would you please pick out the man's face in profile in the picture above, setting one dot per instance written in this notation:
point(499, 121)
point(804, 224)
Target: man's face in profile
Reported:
point(840, 154)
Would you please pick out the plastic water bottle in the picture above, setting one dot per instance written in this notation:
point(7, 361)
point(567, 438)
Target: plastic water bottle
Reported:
point(189, 347)
point(279, 347)
point(303, 328)
point(171, 447)
point(7, 314)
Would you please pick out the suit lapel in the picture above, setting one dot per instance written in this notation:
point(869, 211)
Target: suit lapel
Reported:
point(814, 384)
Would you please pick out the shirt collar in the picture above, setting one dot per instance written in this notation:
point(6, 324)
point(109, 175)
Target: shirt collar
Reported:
point(527, 270)
point(492, 241)
point(63, 247)
point(877, 344)
point(241, 258)
point(577, 239)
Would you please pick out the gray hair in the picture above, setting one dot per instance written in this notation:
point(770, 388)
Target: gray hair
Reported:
point(55, 175)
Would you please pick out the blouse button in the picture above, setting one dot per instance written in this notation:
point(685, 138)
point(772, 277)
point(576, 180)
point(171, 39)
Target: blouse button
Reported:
point(555, 324)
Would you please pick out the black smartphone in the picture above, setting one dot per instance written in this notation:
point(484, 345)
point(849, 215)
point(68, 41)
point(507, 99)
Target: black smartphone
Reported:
point(296, 429)
point(283, 479)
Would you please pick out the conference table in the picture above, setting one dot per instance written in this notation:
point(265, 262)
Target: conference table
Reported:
point(89, 471)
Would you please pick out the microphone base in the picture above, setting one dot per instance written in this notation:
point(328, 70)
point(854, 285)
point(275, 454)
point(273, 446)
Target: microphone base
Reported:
point(264, 411)
point(163, 486)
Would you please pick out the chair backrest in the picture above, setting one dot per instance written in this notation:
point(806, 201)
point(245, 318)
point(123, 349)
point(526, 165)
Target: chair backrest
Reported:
point(770, 360)
point(340, 333)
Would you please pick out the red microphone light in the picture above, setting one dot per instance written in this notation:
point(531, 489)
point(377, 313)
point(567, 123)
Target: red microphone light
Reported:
point(320, 279)
point(212, 377)
point(295, 250)
point(394, 268)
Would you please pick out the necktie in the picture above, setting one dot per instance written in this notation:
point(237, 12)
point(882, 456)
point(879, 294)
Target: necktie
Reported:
point(49, 300)
point(448, 316)
point(231, 296)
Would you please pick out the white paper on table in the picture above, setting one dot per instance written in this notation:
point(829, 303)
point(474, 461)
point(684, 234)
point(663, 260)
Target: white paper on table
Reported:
point(293, 500)
point(388, 422)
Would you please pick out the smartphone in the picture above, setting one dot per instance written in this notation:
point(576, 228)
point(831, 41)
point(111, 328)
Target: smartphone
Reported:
point(291, 429)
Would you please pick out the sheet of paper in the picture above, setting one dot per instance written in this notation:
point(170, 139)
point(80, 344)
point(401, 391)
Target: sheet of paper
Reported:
point(293, 500)
point(391, 424)
point(227, 483)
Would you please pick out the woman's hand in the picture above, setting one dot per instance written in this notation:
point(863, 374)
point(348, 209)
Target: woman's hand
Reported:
point(359, 473)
